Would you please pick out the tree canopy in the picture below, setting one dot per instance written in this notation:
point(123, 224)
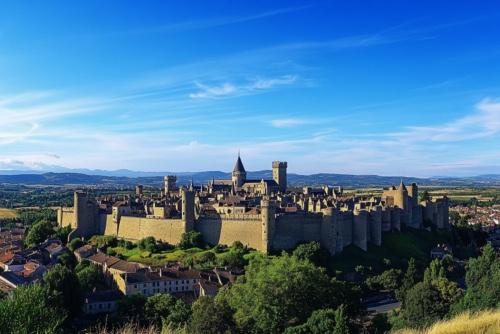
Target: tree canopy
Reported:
point(191, 239)
point(31, 309)
point(63, 283)
point(38, 233)
point(276, 293)
point(483, 282)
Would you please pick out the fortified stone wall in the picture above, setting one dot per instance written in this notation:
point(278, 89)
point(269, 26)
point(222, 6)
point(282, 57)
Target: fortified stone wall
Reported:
point(136, 228)
point(66, 217)
point(360, 233)
point(107, 225)
point(375, 225)
point(329, 230)
point(386, 219)
point(216, 230)
point(334, 229)
point(292, 229)
point(346, 220)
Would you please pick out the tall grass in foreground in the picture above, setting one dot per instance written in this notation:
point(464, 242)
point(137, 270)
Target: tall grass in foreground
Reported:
point(136, 329)
point(486, 322)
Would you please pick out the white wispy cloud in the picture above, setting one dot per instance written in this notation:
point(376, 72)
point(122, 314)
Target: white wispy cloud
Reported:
point(483, 122)
point(230, 90)
point(286, 122)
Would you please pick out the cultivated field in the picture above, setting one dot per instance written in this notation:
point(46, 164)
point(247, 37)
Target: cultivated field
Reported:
point(7, 213)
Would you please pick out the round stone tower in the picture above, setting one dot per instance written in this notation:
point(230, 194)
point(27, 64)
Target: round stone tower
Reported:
point(268, 220)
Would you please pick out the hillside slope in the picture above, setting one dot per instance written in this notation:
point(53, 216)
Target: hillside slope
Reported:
point(486, 322)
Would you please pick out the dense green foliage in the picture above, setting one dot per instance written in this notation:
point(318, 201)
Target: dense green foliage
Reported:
point(423, 305)
point(280, 292)
point(88, 276)
point(31, 309)
point(211, 316)
point(131, 308)
point(63, 283)
point(410, 278)
point(75, 244)
point(191, 239)
point(28, 217)
point(148, 244)
point(38, 233)
point(164, 309)
point(388, 280)
point(103, 241)
point(429, 300)
point(313, 252)
point(62, 233)
point(67, 259)
point(483, 282)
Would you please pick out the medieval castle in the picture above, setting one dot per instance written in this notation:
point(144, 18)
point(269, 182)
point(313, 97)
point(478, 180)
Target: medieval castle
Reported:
point(261, 214)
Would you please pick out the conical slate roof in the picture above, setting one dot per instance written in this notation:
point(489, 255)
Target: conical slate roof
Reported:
point(402, 186)
point(239, 166)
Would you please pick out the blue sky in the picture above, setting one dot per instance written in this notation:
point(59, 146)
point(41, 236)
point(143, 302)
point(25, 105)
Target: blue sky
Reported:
point(389, 88)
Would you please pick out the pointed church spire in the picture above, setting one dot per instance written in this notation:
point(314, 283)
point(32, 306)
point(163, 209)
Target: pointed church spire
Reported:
point(239, 165)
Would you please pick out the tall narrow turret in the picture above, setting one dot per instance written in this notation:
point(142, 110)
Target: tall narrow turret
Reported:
point(268, 222)
point(279, 174)
point(170, 183)
point(188, 209)
point(401, 197)
point(239, 174)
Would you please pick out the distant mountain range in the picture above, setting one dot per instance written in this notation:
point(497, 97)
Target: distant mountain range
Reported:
point(130, 178)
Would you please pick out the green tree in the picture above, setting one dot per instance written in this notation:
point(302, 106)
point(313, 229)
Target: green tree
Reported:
point(440, 294)
point(103, 241)
point(131, 308)
point(211, 316)
point(191, 239)
point(320, 322)
point(423, 306)
point(347, 293)
point(379, 324)
point(276, 293)
point(88, 277)
point(206, 259)
point(148, 244)
point(235, 258)
point(67, 259)
point(341, 321)
point(62, 233)
point(389, 280)
point(409, 280)
point(75, 244)
point(434, 271)
point(179, 316)
point(82, 265)
point(483, 282)
point(313, 252)
point(63, 283)
point(157, 307)
point(38, 233)
point(31, 309)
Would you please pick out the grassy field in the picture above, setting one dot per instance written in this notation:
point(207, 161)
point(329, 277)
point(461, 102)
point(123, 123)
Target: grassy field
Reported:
point(486, 322)
point(397, 247)
point(7, 213)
